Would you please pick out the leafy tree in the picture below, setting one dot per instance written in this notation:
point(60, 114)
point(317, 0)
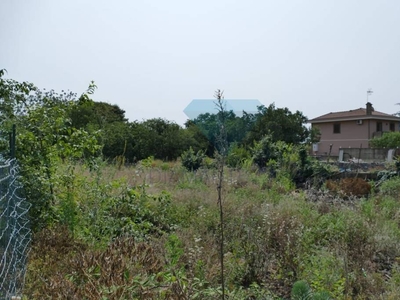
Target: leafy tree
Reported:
point(387, 140)
point(15, 97)
point(208, 125)
point(108, 122)
point(236, 127)
point(118, 140)
point(314, 135)
point(45, 139)
point(162, 139)
point(280, 123)
point(88, 113)
point(198, 141)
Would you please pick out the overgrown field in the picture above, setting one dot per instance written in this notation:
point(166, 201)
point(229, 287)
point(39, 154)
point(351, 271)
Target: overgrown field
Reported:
point(152, 232)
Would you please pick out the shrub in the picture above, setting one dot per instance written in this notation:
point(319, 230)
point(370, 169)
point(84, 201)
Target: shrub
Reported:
point(147, 162)
point(237, 156)
point(391, 187)
point(325, 272)
point(388, 140)
point(301, 290)
point(263, 151)
point(131, 212)
point(208, 163)
point(289, 161)
point(191, 160)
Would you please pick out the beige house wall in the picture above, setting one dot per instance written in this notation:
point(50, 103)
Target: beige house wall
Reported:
point(352, 135)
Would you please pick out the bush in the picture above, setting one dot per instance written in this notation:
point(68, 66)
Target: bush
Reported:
point(287, 160)
point(391, 187)
point(191, 160)
point(302, 291)
point(208, 163)
point(325, 272)
point(119, 211)
point(237, 156)
point(388, 140)
point(263, 151)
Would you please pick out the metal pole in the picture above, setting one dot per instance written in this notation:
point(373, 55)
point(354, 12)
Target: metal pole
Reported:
point(12, 141)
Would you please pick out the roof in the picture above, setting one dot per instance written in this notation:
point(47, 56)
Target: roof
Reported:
point(355, 114)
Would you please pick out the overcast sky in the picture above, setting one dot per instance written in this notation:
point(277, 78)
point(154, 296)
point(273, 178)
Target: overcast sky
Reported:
point(153, 57)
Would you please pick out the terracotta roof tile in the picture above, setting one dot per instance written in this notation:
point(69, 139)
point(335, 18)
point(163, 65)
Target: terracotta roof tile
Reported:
point(359, 113)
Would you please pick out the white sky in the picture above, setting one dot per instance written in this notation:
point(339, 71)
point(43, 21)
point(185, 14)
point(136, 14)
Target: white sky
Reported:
point(153, 57)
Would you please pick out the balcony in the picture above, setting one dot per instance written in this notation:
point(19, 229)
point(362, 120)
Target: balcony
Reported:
point(378, 134)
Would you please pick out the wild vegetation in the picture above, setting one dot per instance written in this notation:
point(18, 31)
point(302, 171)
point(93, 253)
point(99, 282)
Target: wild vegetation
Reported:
point(141, 220)
point(387, 140)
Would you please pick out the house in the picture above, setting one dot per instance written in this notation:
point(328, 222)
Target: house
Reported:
point(351, 129)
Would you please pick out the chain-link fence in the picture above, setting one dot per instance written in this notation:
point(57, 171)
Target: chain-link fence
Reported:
point(14, 231)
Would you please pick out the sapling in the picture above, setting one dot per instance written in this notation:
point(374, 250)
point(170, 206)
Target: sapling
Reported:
point(221, 153)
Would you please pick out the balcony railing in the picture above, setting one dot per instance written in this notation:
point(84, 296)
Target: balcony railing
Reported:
point(378, 134)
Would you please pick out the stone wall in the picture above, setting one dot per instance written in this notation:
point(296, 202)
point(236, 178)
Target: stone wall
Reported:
point(366, 154)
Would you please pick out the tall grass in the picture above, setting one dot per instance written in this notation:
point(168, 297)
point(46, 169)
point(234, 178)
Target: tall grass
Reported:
point(158, 237)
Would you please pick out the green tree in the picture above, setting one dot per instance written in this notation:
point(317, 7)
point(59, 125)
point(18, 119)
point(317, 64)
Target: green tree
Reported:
point(164, 142)
point(208, 125)
point(45, 140)
point(160, 138)
point(15, 98)
point(115, 133)
point(280, 123)
point(118, 140)
point(314, 135)
point(198, 141)
point(387, 140)
point(88, 113)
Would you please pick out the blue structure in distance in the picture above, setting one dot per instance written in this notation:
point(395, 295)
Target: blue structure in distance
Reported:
point(202, 106)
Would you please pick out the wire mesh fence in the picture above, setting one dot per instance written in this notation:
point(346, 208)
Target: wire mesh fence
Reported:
point(14, 231)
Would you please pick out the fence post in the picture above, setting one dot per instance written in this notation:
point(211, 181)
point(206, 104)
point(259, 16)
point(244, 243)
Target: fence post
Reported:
point(12, 141)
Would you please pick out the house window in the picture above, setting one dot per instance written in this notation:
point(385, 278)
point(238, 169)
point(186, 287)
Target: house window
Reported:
point(379, 126)
point(336, 128)
point(391, 126)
